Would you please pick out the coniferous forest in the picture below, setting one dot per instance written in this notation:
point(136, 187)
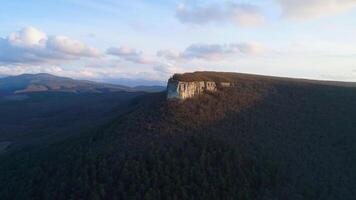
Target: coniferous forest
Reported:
point(261, 139)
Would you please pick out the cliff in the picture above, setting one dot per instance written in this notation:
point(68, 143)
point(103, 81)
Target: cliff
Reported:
point(180, 89)
point(187, 85)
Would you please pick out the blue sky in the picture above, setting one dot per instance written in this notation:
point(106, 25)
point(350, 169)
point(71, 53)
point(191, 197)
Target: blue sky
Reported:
point(149, 40)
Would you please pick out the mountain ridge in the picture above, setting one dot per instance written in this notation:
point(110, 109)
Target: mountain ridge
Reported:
point(188, 85)
point(233, 77)
point(44, 82)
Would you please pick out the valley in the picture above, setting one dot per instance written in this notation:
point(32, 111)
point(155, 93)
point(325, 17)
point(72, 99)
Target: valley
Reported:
point(43, 117)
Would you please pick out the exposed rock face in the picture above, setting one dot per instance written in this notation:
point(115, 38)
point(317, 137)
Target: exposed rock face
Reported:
point(186, 89)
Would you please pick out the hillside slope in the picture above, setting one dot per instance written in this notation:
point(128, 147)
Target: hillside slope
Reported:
point(27, 83)
point(264, 138)
point(46, 117)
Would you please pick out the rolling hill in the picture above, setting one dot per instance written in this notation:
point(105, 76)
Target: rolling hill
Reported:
point(27, 83)
point(263, 138)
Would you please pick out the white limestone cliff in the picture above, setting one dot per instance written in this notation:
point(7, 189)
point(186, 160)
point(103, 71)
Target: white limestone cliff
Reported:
point(181, 90)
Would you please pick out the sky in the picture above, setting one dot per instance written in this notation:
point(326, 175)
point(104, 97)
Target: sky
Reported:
point(146, 41)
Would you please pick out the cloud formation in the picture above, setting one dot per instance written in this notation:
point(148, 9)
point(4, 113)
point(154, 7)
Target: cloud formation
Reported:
point(51, 69)
point(129, 54)
point(169, 54)
point(306, 9)
point(241, 14)
point(212, 51)
point(167, 69)
point(30, 45)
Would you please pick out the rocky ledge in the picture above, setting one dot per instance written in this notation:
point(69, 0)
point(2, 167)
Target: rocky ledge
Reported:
point(179, 89)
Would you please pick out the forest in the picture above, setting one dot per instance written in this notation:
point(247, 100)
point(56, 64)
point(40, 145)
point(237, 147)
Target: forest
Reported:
point(261, 139)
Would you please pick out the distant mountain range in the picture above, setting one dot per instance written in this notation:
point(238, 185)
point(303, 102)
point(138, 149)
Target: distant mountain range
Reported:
point(29, 83)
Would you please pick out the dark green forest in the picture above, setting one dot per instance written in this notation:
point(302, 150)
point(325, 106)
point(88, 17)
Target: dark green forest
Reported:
point(261, 139)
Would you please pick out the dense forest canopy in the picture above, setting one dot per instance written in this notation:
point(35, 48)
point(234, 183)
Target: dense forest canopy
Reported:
point(264, 138)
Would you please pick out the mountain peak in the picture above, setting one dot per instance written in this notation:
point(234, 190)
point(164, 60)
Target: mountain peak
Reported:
point(38, 75)
point(187, 85)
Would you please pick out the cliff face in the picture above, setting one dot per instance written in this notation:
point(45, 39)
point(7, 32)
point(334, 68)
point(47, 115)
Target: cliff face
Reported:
point(186, 89)
point(183, 90)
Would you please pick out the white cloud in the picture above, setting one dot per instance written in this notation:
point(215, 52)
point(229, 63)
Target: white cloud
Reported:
point(212, 51)
point(305, 9)
point(167, 69)
point(31, 45)
point(129, 54)
point(241, 14)
point(249, 48)
point(169, 54)
point(207, 51)
point(71, 47)
point(28, 37)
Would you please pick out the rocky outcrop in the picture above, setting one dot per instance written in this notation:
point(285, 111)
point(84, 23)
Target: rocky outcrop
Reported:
point(181, 90)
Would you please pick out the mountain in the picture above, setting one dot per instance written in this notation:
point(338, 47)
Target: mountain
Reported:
point(43, 108)
point(260, 138)
point(27, 83)
point(240, 77)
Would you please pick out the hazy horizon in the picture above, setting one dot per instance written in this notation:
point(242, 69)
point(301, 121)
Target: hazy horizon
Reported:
point(124, 82)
